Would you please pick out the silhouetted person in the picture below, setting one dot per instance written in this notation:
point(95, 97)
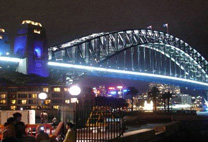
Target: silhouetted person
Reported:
point(21, 135)
point(43, 117)
point(9, 130)
point(17, 116)
point(54, 122)
point(42, 136)
point(70, 135)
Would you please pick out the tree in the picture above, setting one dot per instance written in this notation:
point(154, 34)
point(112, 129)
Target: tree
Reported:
point(164, 97)
point(153, 94)
point(133, 92)
point(167, 96)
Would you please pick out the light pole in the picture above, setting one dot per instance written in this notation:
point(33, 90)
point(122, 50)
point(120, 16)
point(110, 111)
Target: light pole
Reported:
point(42, 96)
point(74, 91)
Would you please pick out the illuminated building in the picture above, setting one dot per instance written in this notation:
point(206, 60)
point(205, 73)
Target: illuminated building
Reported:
point(182, 99)
point(166, 88)
point(197, 101)
point(26, 97)
point(31, 45)
point(4, 43)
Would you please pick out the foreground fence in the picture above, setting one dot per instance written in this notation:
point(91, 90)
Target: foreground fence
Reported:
point(99, 123)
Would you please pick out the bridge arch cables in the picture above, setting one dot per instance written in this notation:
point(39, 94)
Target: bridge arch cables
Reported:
point(135, 50)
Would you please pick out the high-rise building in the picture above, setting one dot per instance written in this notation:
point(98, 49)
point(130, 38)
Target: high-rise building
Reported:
point(4, 43)
point(182, 99)
point(31, 45)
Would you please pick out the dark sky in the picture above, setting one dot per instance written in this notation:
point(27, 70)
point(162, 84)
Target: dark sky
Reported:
point(65, 20)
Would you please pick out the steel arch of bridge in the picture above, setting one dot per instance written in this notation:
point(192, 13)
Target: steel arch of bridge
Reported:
point(98, 48)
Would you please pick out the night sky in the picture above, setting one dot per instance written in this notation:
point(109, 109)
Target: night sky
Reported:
point(65, 20)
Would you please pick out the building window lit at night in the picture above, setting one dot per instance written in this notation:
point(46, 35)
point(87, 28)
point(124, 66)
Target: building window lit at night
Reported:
point(47, 102)
point(3, 96)
point(13, 101)
point(24, 102)
point(45, 89)
point(13, 107)
point(56, 89)
point(34, 107)
point(67, 101)
point(56, 107)
point(34, 96)
point(2, 101)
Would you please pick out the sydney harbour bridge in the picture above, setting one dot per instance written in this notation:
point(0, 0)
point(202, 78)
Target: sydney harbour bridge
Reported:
point(134, 54)
point(146, 55)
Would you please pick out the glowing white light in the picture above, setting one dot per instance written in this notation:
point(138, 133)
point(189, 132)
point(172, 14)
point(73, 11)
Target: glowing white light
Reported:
point(2, 30)
point(120, 87)
point(36, 31)
point(76, 41)
point(74, 100)
point(148, 106)
point(90, 68)
point(9, 59)
point(74, 90)
point(181, 106)
point(31, 22)
point(42, 96)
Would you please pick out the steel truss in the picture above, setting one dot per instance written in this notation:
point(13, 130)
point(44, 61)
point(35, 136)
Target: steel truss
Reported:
point(135, 50)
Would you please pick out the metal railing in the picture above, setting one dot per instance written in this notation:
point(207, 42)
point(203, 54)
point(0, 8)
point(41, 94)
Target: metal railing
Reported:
point(99, 123)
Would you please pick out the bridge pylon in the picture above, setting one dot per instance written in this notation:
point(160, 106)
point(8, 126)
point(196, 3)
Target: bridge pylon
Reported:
point(31, 45)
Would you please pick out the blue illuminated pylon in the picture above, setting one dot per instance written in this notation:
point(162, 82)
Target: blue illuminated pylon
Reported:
point(31, 45)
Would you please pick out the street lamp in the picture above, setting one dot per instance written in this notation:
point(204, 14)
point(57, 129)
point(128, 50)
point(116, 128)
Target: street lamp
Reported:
point(74, 91)
point(42, 96)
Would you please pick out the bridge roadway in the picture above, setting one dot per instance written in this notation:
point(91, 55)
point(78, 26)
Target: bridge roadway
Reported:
point(99, 71)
